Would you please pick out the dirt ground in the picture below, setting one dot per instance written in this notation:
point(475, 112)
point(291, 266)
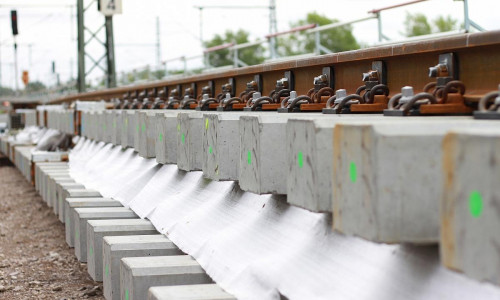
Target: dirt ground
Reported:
point(35, 261)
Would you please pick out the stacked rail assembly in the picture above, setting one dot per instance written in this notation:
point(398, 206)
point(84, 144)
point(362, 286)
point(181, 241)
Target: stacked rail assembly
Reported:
point(365, 174)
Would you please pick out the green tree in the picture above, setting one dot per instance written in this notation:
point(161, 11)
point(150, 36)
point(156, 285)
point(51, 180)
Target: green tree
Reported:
point(35, 86)
point(335, 39)
point(417, 24)
point(6, 91)
point(443, 24)
point(251, 55)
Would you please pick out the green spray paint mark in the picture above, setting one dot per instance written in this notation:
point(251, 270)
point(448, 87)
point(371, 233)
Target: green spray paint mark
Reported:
point(300, 159)
point(160, 137)
point(352, 172)
point(106, 271)
point(249, 157)
point(206, 124)
point(475, 204)
point(114, 124)
point(183, 138)
point(104, 126)
point(126, 122)
point(178, 127)
point(91, 252)
point(143, 127)
point(126, 295)
point(210, 150)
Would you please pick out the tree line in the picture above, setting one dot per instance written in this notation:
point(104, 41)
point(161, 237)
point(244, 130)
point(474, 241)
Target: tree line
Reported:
point(336, 40)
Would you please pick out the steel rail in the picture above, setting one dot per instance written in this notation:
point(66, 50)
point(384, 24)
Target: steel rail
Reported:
point(407, 64)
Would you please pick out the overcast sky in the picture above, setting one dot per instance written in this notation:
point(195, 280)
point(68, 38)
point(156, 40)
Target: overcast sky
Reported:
point(50, 32)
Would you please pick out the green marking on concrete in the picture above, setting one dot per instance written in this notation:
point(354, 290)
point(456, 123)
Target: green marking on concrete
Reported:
point(160, 137)
point(114, 124)
point(178, 127)
point(206, 124)
point(104, 126)
point(352, 172)
point(249, 157)
point(183, 138)
point(126, 295)
point(300, 159)
point(91, 251)
point(210, 150)
point(106, 271)
point(143, 128)
point(475, 204)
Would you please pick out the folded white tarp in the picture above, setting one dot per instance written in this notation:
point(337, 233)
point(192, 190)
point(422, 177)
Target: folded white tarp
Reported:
point(259, 247)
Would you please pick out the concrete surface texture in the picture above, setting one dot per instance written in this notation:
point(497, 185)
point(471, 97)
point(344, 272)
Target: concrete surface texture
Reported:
point(147, 134)
point(189, 135)
point(98, 229)
point(138, 274)
point(189, 292)
point(116, 133)
point(309, 155)
point(82, 215)
point(166, 143)
point(262, 171)
point(117, 247)
point(62, 192)
point(387, 178)
point(221, 144)
point(71, 203)
point(470, 207)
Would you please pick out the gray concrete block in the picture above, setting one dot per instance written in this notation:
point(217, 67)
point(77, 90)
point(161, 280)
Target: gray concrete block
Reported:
point(309, 153)
point(100, 126)
point(40, 180)
point(138, 129)
point(49, 188)
point(138, 274)
point(58, 181)
point(116, 134)
point(73, 193)
point(71, 203)
point(98, 229)
point(41, 166)
point(128, 129)
point(61, 193)
point(387, 178)
point(262, 155)
point(108, 129)
point(189, 148)
point(189, 292)
point(166, 143)
point(470, 206)
point(45, 181)
point(84, 214)
point(221, 144)
point(148, 136)
point(117, 247)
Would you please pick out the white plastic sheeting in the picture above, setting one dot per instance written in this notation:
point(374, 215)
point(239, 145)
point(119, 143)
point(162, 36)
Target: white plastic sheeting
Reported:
point(259, 247)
